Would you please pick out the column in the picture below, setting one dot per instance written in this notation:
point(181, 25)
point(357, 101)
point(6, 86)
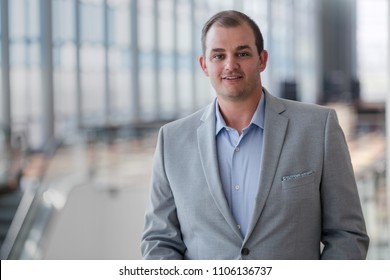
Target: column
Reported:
point(134, 73)
point(5, 65)
point(77, 32)
point(156, 62)
point(194, 41)
point(107, 99)
point(47, 71)
point(175, 58)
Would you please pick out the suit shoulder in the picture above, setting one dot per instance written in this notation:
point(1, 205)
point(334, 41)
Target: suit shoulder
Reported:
point(298, 105)
point(305, 109)
point(301, 113)
point(191, 121)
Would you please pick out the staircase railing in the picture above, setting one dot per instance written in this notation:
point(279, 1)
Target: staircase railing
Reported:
point(29, 209)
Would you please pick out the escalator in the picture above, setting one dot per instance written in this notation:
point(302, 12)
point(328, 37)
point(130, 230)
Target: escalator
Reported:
point(9, 203)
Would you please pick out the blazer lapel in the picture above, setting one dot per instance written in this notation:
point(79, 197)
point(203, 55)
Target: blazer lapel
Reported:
point(208, 156)
point(275, 128)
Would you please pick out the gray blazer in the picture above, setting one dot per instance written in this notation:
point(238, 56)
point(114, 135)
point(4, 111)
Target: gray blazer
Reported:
point(307, 193)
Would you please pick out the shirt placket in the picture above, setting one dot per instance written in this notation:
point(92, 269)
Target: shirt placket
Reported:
point(237, 183)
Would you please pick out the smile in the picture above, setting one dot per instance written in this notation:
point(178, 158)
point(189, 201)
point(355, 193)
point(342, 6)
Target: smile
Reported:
point(231, 78)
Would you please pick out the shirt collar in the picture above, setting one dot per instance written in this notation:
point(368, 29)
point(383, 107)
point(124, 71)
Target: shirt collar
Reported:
point(257, 119)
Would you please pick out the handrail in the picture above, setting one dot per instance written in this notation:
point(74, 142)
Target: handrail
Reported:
point(26, 204)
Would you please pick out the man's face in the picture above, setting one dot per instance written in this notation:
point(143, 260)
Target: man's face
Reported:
point(232, 62)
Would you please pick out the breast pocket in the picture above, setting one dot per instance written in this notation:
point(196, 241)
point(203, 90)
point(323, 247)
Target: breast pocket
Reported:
point(298, 180)
point(300, 187)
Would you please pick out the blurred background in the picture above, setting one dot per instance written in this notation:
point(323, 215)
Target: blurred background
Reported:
point(85, 85)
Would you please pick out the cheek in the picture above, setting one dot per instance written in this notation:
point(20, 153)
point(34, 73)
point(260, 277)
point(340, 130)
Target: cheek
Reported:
point(213, 72)
point(257, 70)
point(251, 70)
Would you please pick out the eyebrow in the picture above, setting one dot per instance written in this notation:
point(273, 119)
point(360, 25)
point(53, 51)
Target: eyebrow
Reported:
point(243, 47)
point(239, 48)
point(218, 50)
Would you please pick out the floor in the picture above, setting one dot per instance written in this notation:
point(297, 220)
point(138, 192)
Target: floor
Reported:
point(100, 192)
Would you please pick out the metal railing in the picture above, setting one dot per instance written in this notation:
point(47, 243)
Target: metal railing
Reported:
point(29, 211)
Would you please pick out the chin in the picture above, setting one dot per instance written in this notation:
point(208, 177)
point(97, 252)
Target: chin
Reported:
point(236, 96)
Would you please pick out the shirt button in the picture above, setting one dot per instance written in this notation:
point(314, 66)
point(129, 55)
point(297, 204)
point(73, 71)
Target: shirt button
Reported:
point(237, 149)
point(245, 251)
point(237, 187)
point(238, 226)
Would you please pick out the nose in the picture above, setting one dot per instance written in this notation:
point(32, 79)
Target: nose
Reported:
point(231, 63)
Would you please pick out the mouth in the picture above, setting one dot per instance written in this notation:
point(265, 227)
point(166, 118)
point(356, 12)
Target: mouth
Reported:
point(232, 77)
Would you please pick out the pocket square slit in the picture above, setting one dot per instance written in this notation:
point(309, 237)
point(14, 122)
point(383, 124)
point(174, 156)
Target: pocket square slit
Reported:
point(296, 176)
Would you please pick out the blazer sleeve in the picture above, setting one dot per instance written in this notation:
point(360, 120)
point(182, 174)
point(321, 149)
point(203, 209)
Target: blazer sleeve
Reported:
point(344, 233)
point(161, 237)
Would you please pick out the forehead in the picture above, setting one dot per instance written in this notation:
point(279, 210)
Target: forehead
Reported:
point(221, 37)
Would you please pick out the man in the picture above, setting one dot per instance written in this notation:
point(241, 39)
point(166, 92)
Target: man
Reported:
point(251, 176)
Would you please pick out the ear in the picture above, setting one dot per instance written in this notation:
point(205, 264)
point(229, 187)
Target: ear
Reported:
point(202, 62)
point(263, 60)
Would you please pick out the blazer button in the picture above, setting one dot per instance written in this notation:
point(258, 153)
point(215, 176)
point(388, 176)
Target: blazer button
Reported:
point(245, 251)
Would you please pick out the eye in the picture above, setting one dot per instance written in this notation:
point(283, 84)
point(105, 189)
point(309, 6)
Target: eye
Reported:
point(243, 54)
point(218, 57)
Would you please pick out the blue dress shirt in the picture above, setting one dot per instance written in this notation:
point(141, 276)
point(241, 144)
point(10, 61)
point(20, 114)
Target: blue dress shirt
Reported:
point(239, 159)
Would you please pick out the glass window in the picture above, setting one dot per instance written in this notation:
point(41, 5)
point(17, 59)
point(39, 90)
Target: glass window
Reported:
point(32, 10)
point(146, 33)
point(118, 60)
point(292, 52)
point(372, 40)
point(92, 23)
point(25, 65)
point(92, 80)
point(146, 25)
point(64, 60)
point(119, 23)
point(16, 20)
point(184, 56)
point(65, 88)
point(166, 52)
point(63, 20)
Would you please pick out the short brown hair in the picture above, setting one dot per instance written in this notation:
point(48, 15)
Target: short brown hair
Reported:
point(232, 18)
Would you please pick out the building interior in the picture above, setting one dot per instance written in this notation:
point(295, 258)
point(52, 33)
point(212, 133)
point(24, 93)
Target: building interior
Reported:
point(85, 86)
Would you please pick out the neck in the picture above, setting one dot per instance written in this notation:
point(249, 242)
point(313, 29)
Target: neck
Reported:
point(238, 113)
